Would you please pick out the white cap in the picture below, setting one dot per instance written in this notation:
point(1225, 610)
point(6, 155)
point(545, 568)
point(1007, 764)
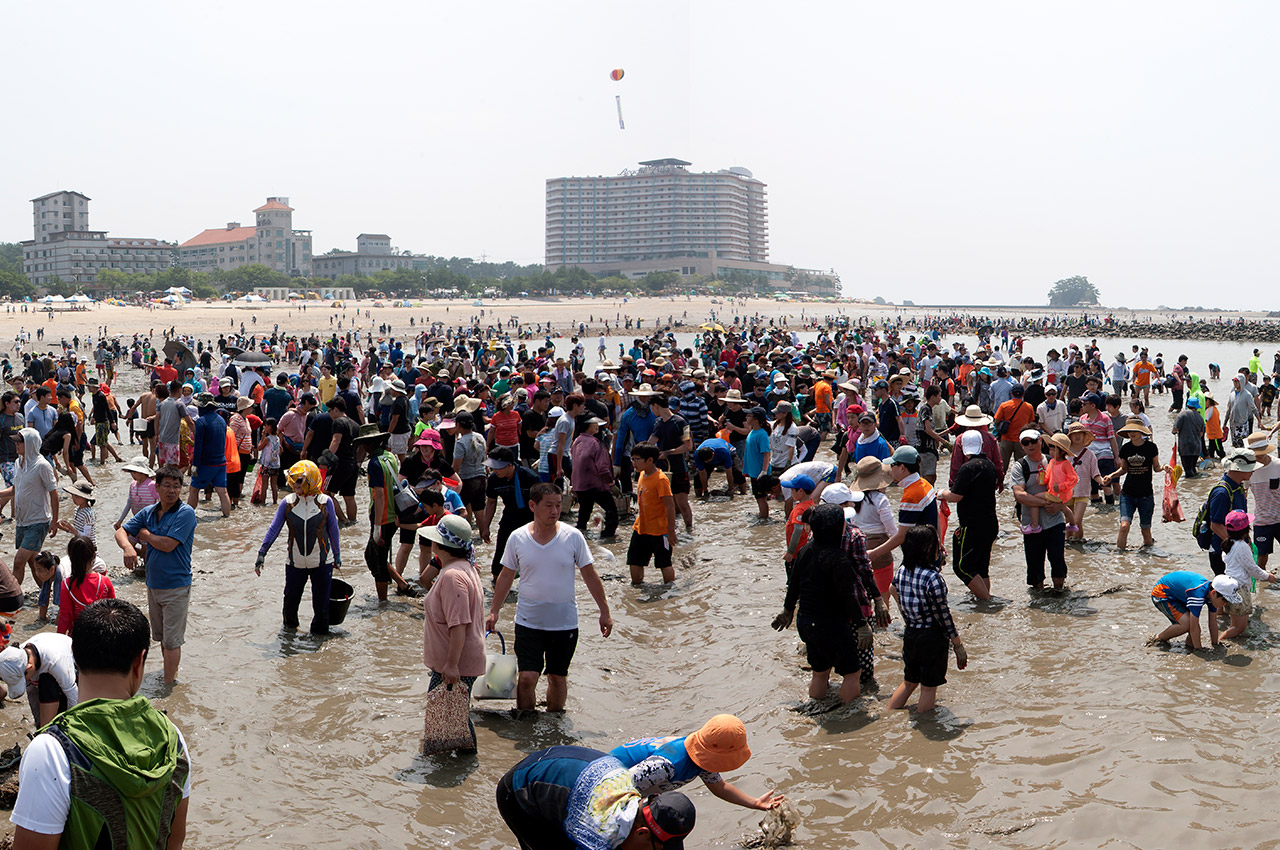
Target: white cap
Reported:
point(1029, 434)
point(971, 443)
point(837, 494)
point(1225, 585)
point(13, 670)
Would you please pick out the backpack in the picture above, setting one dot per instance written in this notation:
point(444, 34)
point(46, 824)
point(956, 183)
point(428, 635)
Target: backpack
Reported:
point(1026, 477)
point(1200, 527)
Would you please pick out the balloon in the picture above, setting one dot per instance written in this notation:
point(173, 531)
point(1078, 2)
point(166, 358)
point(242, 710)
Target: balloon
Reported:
point(616, 74)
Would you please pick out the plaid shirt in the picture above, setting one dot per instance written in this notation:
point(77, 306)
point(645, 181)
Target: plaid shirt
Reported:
point(854, 545)
point(922, 598)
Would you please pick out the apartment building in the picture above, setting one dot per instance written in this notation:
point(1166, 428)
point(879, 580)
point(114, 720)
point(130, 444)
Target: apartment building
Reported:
point(272, 242)
point(373, 254)
point(64, 248)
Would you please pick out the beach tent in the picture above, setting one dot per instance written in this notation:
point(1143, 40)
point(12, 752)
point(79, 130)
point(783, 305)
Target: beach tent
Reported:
point(251, 298)
point(178, 290)
point(53, 299)
point(80, 298)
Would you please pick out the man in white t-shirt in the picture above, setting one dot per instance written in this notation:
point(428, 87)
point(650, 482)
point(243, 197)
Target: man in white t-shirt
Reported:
point(1264, 487)
point(545, 554)
point(143, 778)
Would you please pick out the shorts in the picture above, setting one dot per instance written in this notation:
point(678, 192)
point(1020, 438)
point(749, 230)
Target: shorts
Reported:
point(6, 470)
point(928, 464)
point(642, 546)
point(341, 480)
point(101, 433)
point(1144, 505)
point(829, 645)
point(168, 613)
point(1106, 466)
point(971, 553)
point(679, 474)
point(399, 443)
point(761, 487)
point(377, 556)
point(1243, 608)
point(1169, 608)
point(31, 537)
point(168, 454)
point(209, 476)
point(924, 656)
point(540, 650)
point(1264, 536)
point(408, 534)
point(472, 493)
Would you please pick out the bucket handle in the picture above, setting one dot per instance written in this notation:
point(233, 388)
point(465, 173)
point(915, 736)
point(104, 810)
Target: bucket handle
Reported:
point(501, 639)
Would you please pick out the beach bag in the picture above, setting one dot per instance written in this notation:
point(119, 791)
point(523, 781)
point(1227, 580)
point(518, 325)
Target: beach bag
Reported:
point(259, 494)
point(621, 500)
point(1200, 528)
point(499, 679)
point(448, 723)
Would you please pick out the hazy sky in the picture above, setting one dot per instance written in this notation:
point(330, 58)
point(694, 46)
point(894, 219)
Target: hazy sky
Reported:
point(942, 152)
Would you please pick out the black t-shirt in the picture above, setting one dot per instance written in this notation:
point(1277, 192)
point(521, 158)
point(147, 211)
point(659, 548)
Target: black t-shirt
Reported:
point(1141, 459)
point(504, 489)
point(413, 467)
point(670, 432)
point(977, 480)
point(1075, 385)
point(531, 422)
point(1034, 394)
point(321, 429)
point(101, 412)
point(888, 422)
point(347, 427)
point(400, 408)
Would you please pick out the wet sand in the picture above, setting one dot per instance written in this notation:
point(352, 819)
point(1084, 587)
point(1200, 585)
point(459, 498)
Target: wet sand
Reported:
point(1064, 731)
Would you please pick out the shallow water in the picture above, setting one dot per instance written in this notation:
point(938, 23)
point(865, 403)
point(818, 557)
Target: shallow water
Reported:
point(1064, 731)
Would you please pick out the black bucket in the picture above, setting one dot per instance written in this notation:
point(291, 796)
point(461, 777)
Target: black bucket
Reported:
point(340, 594)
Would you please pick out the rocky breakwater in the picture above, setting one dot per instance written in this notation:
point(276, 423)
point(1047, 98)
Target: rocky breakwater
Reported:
point(1213, 331)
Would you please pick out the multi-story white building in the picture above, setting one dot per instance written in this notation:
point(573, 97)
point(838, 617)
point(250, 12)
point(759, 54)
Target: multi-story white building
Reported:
point(64, 248)
point(660, 211)
point(272, 242)
point(373, 253)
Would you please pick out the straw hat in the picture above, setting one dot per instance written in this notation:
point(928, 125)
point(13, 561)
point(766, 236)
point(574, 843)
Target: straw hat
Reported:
point(139, 464)
point(850, 386)
point(466, 404)
point(734, 397)
point(1062, 441)
point(973, 417)
point(643, 391)
point(872, 474)
point(720, 745)
point(1135, 424)
point(1259, 442)
point(1079, 429)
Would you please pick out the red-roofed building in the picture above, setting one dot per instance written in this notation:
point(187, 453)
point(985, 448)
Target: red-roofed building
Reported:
point(271, 242)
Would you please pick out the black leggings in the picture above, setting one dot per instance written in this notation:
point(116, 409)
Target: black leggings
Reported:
point(587, 499)
point(1049, 543)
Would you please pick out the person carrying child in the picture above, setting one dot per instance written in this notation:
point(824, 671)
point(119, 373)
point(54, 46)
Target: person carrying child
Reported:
point(1060, 479)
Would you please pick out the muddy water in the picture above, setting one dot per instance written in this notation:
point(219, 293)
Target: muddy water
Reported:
point(1064, 731)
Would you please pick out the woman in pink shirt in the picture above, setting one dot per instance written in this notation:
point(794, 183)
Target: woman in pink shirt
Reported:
point(83, 586)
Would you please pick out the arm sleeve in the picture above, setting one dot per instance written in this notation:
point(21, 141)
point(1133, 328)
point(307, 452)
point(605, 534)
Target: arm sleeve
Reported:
point(331, 526)
point(273, 530)
point(65, 619)
point(793, 581)
point(887, 519)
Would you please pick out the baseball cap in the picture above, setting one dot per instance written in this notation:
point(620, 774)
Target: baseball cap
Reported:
point(1225, 585)
point(500, 458)
point(839, 494)
point(799, 482)
point(866, 416)
point(971, 443)
point(13, 670)
point(670, 817)
point(1029, 434)
point(1238, 520)
point(906, 454)
point(1094, 399)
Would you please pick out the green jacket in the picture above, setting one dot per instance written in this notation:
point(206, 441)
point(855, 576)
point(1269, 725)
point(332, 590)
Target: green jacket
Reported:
point(127, 773)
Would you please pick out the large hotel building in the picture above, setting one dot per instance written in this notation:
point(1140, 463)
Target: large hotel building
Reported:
point(663, 217)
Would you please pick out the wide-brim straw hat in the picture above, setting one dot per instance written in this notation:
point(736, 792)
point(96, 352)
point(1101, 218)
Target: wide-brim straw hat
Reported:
point(1079, 428)
point(1135, 425)
point(1259, 442)
point(973, 417)
point(139, 464)
point(872, 474)
point(1062, 441)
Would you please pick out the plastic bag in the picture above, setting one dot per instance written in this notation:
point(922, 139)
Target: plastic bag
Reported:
point(448, 721)
point(499, 679)
point(259, 494)
point(1171, 509)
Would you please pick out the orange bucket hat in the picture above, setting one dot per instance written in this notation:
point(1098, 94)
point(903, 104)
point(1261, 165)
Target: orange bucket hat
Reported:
point(721, 744)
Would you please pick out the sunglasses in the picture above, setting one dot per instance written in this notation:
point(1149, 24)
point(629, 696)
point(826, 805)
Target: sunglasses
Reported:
point(1029, 442)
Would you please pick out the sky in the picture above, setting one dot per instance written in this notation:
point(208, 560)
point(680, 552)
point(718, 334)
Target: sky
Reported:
point(942, 152)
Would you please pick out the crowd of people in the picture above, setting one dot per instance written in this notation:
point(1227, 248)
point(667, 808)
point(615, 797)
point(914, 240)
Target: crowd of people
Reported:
point(453, 430)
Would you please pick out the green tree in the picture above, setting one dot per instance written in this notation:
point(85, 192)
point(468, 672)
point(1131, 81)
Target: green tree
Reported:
point(246, 278)
point(58, 286)
point(659, 281)
point(11, 257)
point(1072, 291)
point(15, 286)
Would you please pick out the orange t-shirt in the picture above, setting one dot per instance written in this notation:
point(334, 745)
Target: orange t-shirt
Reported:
point(651, 518)
point(822, 397)
point(793, 521)
point(1213, 425)
point(1019, 414)
point(1143, 371)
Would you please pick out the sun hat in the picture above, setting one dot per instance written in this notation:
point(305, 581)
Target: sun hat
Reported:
point(970, 443)
point(466, 404)
point(734, 397)
point(446, 423)
point(1226, 586)
point(452, 531)
point(643, 391)
point(430, 437)
point(850, 386)
point(1238, 520)
point(139, 463)
point(500, 458)
point(1062, 441)
point(83, 489)
point(839, 494)
point(973, 417)
point(1135, 424)
point(872, 474)
point(800, 482)
point(720, 745)
point(1193, 403)
point(243, 403)
point(1240, 460)
point(398, 386)
point(1079, 429)
point(1029, 434)
point(371, 432)
point(13, 670)
point(1259, 442)
point(204, 400)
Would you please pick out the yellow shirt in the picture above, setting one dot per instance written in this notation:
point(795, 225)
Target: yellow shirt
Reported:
point(328, 386)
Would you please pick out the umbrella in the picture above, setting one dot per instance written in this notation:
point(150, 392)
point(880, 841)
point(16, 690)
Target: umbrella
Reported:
point(712, 327)
point(178, 290)
point(252, 359)
point(183, 358)
point(294, 295)
point(53, 299)
point(233, 350)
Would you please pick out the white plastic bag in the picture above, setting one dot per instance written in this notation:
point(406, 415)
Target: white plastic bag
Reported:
point(499, 679)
